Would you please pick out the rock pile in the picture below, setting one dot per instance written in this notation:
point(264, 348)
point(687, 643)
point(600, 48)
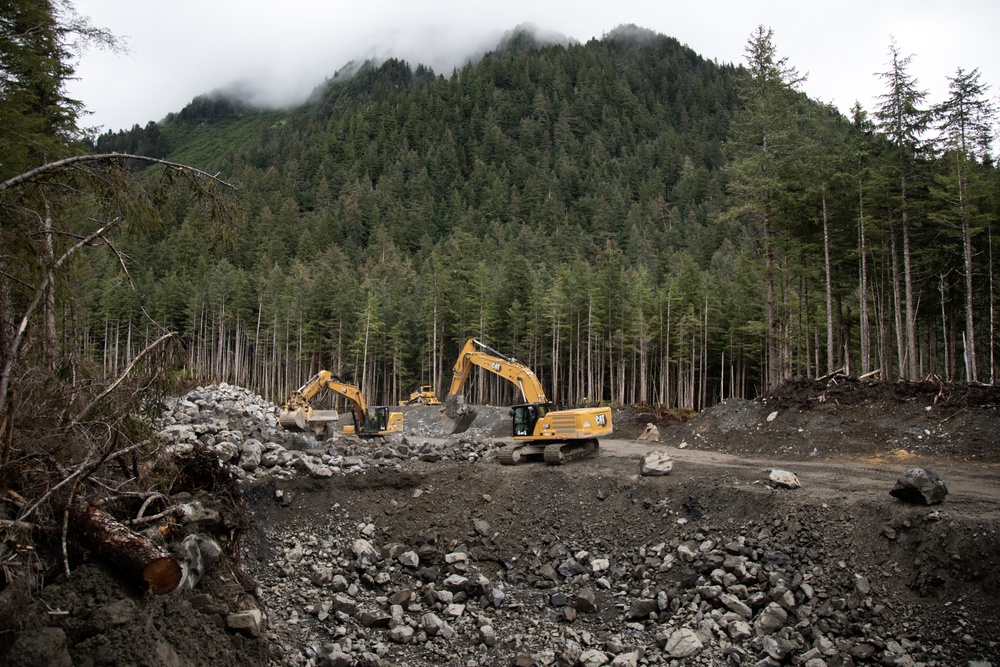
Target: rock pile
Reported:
point(241, 428)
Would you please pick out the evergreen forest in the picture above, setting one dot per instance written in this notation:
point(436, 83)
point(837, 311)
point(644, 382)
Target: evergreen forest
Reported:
point(636, 223)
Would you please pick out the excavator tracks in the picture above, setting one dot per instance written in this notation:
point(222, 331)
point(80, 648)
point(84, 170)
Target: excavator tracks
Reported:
point(560, 452)
point(509, 455)
point(553, 454)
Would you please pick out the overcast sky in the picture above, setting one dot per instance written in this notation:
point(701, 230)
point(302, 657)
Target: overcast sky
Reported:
point(184, 48)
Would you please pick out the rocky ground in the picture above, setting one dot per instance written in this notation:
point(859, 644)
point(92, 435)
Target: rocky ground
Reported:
point(423, 550)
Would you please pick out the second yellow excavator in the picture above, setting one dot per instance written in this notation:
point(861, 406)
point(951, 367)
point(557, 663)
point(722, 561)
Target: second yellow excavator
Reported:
point(555, 435)
point(299, 415)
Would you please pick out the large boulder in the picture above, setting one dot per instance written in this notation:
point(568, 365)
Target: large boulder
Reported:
point(656, 463)
point(920, 486)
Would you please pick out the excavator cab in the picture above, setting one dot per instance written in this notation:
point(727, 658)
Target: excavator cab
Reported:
point(525, 417)
point(377, 419)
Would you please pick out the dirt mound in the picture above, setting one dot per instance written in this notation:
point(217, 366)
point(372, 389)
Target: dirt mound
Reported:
point(848, 418)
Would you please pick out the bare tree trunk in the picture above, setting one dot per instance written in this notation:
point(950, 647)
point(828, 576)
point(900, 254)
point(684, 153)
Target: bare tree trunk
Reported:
point(590, 346)
point(897, 306)
point(970, 328)
point(50, 295)
point(911, 322)
point(643, 360)
point(364, 361)
point(944, 330)
point(993, 339)
point(704, 360)
point(773, 357)
point(863, 289)
point(435, 379)
point(829, 288)
point(666, 362)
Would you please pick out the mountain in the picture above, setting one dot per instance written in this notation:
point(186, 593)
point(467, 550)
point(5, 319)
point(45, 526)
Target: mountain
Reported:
point(593, 209)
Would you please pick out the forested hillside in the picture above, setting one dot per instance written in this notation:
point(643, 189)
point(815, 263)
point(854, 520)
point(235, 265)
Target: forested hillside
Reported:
point(636, 223)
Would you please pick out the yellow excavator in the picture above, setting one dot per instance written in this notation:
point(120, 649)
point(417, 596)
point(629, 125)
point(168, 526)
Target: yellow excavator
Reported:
point(298, 415)
point(425, 396)
point(555, 435)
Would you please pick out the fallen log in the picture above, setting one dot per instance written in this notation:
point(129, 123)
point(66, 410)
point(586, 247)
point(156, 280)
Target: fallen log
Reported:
point(137, 557)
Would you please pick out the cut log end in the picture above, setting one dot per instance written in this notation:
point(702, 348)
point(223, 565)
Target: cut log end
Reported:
point(162, 575)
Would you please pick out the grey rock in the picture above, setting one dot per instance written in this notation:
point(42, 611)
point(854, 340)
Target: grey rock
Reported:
point(920, 486)
point(784, 479)
point(401, 634)
point(247, 622)
point(431, 624)
point(250, 455)
point(683, 643)
point(736, 605)
point(641, 609)
point(197, 554)
point(770, 620)
point(592, 658)
point(409, 559)
point(630, 659)
point(483, 528)
point(586, 601)
point(365, 554)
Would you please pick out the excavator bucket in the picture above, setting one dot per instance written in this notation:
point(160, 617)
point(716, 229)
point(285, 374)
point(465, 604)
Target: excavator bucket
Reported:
point(306, 420)
point(457, 415)
point(292, 420)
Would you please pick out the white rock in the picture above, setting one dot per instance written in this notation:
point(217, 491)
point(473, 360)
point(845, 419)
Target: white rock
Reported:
point(784, 479)
point(656, 463)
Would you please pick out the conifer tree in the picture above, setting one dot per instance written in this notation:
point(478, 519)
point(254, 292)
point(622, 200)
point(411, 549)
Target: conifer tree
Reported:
point(966, 121)
point(903, 120)
point(763, 145)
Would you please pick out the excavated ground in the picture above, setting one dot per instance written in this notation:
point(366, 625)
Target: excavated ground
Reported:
point(934, 571)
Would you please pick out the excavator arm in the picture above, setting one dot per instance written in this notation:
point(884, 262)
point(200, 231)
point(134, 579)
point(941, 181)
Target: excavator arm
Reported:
point(352, 394)
point(456, 414)
point(479, 354)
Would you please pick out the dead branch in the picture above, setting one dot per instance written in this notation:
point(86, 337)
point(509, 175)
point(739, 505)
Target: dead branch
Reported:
point(121, 378)
point(839, 371)
point(40, 291)
point(152, 518)
point(142, 510)
point(104, 157)
point(82, 471)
